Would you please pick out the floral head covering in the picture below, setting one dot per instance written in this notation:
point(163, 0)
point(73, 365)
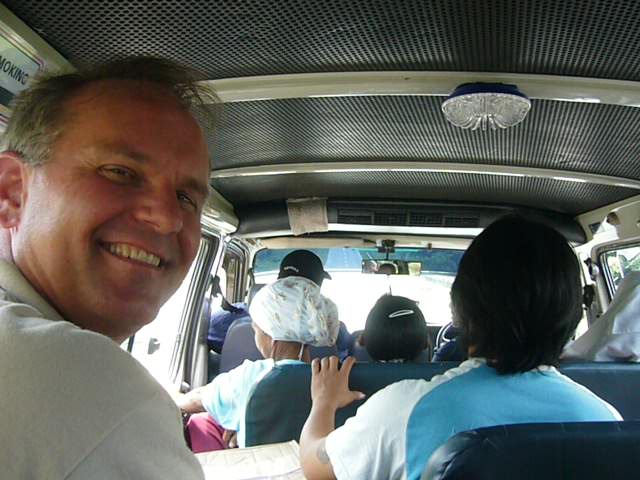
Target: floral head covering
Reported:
point(292, 309)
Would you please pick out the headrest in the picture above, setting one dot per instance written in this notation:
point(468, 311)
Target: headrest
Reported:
point(590, 450)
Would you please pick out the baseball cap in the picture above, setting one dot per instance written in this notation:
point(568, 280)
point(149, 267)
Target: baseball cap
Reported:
point(303, 263)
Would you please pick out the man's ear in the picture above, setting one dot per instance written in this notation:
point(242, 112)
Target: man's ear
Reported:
point(11, 189)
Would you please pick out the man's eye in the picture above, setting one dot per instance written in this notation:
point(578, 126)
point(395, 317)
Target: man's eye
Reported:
point(184, 198)
point(117, 172)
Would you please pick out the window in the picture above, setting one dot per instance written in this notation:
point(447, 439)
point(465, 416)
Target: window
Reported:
point(619, 263)
point(154, 345)
point(229, 274)
point(355, 292)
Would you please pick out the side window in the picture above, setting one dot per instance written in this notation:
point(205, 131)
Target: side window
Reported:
point(232, 264)
point(216, 302)
point(155, 344)
point(216, 319)
point(228, 272)
point(619, 263)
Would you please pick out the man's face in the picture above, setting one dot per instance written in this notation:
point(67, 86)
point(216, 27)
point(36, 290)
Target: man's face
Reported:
point(111, 223)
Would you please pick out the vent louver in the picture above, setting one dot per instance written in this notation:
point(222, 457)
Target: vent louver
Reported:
point(405, 217)
point(424, 219)
point(355, 217)
point(461, 222)
point(390, 218)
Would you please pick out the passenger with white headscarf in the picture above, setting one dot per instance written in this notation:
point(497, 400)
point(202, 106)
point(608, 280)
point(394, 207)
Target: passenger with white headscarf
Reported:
point(615, 336)
point(288, 316)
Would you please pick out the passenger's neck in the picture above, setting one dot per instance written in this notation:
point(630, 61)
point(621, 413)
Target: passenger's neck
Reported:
point(282, 350)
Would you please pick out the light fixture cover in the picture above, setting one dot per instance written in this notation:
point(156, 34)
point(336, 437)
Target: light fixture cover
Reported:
point(482, 105)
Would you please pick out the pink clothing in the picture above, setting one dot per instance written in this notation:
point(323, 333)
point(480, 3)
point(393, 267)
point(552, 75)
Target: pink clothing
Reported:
point(205, 433)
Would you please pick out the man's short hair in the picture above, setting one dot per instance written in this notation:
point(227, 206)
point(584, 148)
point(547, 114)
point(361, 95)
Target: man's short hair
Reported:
point(395, 329)
point(37, 112)
point(517, 295)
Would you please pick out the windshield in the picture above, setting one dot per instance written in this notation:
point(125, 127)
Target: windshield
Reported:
point(355, 292)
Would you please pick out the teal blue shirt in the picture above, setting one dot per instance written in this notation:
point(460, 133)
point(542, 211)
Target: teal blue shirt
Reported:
point(396, 430)
point(226, 397)
point(482, 398)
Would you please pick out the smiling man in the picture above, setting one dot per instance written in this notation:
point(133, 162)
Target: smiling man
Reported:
point(103, 176)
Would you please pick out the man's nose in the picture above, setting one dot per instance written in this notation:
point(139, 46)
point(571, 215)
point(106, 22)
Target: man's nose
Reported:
point(161, 210)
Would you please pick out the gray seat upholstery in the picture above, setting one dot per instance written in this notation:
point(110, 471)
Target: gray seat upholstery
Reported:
point(272, 417)
point(255, 288)
point(239, 345)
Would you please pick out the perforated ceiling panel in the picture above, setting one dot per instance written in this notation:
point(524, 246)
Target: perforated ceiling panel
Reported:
point(597, 38)
point(565, 197)
point(558, 135)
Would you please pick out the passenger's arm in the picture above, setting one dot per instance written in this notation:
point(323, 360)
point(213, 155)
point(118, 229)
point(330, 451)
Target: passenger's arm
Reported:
point(329, 392)
point(191, 402)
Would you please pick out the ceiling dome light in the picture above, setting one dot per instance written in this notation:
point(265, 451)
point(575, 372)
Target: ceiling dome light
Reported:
point(482, 105)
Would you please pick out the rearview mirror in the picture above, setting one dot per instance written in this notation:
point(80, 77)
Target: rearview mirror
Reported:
point(391, 267)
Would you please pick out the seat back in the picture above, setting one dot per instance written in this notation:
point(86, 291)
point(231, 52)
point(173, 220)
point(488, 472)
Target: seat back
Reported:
point(321, 352)
point(272, 416)
point(553, 451)
point(255, 288)
point(239, 345)
point(617, 383)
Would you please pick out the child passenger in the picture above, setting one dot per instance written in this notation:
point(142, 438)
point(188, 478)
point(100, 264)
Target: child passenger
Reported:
point(288, 316)
point(395, 330)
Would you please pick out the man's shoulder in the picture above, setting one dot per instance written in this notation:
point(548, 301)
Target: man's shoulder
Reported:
point(59, 355)
point(66, 390)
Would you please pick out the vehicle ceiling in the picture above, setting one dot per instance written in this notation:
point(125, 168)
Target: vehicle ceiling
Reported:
point(231, 39)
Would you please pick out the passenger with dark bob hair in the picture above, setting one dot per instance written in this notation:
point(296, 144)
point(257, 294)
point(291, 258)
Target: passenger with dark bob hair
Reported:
point(395, 330)
point(517, 298)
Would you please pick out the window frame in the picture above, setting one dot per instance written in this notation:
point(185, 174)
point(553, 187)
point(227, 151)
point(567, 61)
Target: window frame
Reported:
point(604, 265)
point(210, 254)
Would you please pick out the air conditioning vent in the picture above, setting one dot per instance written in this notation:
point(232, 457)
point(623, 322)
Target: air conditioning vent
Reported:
point(405, 217)
point(355, 217)
point(424, 219)
point(462, 222)
point(390, 218)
